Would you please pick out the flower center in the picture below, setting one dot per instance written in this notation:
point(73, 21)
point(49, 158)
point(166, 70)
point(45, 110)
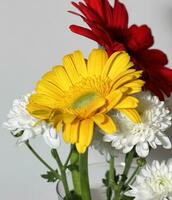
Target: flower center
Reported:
point(84, 100)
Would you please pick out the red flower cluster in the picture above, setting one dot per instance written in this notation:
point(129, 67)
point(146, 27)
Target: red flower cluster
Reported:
point(108, 26)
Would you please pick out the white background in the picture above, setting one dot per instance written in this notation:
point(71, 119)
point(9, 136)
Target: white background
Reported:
point(34, 36)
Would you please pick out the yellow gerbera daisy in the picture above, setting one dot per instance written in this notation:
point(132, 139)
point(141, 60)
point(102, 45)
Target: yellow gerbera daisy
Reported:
point(80, 94)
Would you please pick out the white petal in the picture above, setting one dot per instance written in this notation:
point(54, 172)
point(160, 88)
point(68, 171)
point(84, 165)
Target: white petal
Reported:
point(142, 149)
point(51, 138)
point(166, 143)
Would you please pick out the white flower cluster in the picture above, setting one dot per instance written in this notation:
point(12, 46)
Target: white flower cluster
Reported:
point(156, 119)
point(20, 121)
point(153, 183)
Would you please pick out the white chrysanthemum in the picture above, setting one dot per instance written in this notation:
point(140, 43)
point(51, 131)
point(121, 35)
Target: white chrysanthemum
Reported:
point(156, 118)
point(153, 183)
point(20, 121)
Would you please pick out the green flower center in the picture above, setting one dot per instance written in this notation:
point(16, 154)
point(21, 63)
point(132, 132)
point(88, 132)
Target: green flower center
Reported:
point(84, 100)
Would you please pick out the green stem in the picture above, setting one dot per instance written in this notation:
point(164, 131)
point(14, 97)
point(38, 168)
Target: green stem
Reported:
point(128, 161)
point(140, 163)
point(40, 159)
point(84, 179)
point(63, 173)
point(111, 171)
point(74, 160)
point(132, 176)
point(69, 156)
point(111, 179)
point(117, 196)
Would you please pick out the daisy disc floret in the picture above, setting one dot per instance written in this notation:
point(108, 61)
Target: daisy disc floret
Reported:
point(79, 94)
point(154, 182)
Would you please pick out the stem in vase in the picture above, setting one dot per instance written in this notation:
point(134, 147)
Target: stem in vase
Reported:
point(74, 160)
point(111, 179)
point(84, 178)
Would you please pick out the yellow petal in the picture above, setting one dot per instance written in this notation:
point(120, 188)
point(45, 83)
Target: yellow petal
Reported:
point(98, 103)
point(96, 61)
point(68, 118)
point(86, 132)
point(118, 63)
point(38, 111)
point(70, 68)
point(134, 86)
point(127, 79)
point(59, 126)
point(43, 100)
point(121, 64)
point(48, 88)
point(121, 75)
point(81, 148)
point(51, 77)
point(113, 99)
point(74, 132)
point(109, 63)
point(71, 132)
point(80, 63)
point(100, 118)
point(108, 126)
point(132, 114)
point(66, 133)
point(62, 78)
point(128, 102)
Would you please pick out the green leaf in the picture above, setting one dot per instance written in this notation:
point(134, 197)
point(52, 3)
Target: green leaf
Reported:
point(51, 176)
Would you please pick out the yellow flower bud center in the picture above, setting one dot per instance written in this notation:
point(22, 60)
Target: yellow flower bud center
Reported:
point(84, 100)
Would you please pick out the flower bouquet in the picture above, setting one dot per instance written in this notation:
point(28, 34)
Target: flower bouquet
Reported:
point(117, 101)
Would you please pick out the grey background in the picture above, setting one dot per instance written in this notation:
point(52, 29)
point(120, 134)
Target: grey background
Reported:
point(34, 36)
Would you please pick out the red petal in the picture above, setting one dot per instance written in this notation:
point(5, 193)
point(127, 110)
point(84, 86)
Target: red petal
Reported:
point(108, 14)
point(87, 12)
point(75, 13)
point(159, 81)
point(139, 38)
point(154, 89)
point(97, 6)
point(166, 73)
point(100, 32)
point(120, 16)
point(100, 37)
point(84, 32)
point(152, 56)
point(114, 47)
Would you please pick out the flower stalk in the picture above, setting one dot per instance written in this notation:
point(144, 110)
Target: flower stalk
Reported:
point(74, 160)
point(128, 161)
point(41, 159)
point(63, 173)
point(84, 178)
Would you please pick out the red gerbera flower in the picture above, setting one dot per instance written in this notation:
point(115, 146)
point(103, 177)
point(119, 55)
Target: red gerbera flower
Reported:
point(108, 26)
